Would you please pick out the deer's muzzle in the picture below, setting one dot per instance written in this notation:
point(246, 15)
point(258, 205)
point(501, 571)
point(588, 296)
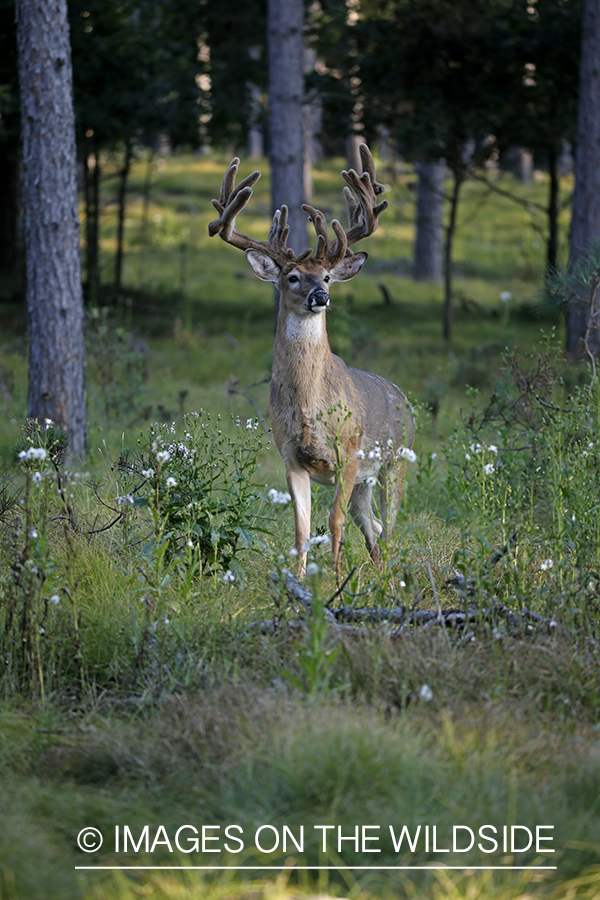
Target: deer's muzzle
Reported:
point(318, 299)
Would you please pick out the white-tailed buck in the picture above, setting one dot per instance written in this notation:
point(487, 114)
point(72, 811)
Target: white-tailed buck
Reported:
point(332, 423)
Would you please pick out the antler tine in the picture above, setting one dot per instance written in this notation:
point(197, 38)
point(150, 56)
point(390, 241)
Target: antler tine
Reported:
point(231, 201)
point(229, 180)
point(320, 224)
point(353, 208)
point(368, 165)
point(329, 250)
point(279, 233)
point(341, 247)
point(363, 210)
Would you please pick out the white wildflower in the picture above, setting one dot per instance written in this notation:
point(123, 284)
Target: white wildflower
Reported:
point(591, 445)
point(371, 481)
point(228, 577)
point(434, 456)
point(48, 422)
point(33, 453)
point(492, 448)
point(390, 444)
point(407, 453)
point(281, 497)
point(171, 482)
point(55, 599)
point(36, 477)
point(505, 296)
point(312, 569)
point(489, 468)
point(547, 564)
point(148, 473)
point(190, 545)
point(360, 454)
point(552, 623)
point(126, 498)
point(163, 456)
point(316, 540)
point(293, 552)
point(401, 584)
point(33, 533)
point(426, 693)
point(467, 456)
point(42, 630)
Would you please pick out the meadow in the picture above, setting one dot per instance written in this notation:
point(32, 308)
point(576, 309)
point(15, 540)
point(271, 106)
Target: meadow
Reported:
point(157, 673)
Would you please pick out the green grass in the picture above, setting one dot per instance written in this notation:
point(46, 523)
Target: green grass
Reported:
point(164, 703)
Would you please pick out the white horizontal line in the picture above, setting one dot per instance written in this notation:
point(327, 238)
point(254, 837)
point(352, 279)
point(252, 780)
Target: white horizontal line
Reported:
point(332, 868)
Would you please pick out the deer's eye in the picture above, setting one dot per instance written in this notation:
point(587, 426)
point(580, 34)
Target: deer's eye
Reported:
point(293, 279)
point(326, 279)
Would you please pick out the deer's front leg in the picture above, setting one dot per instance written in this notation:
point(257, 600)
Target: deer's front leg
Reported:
point(299, 486)
point(344, 485)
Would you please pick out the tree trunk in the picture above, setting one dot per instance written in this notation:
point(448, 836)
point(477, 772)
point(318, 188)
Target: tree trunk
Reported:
point(285, 35)
point(124, 174)
point(54, 295)
point(144, 220)
point(255, 132)
point(286, 113)
point(585, 222)
point(450, 229)
point(309, 111)
point(552, 255)
point(353, 142)
point(430, 207)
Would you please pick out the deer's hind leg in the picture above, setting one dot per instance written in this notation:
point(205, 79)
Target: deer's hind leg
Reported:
point(361, 510)
point(391, 484)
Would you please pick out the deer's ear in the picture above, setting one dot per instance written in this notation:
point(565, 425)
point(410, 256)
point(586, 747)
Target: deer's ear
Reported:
point(349, 267)
point(263, 266)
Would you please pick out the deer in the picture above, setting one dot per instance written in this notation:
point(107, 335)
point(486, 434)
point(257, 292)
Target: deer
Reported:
point(331, 423)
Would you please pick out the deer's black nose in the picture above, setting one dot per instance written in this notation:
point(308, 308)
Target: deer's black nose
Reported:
point(318, 299)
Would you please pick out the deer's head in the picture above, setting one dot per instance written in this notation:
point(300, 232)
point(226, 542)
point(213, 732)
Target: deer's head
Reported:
point(304, 280)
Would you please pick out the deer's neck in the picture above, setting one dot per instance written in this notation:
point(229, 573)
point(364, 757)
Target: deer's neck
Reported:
point(302, 358)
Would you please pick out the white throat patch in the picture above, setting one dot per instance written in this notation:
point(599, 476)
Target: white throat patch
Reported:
point(309, 328)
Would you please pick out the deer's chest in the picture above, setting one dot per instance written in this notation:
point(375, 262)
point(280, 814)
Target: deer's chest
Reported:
point(301, 434)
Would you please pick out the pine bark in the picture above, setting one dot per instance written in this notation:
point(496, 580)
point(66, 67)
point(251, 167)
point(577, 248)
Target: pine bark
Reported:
point(51, 220)
point(585, 222)
point(286, 113)
point(448, 245)
point(430, 206)
point(122, 197)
